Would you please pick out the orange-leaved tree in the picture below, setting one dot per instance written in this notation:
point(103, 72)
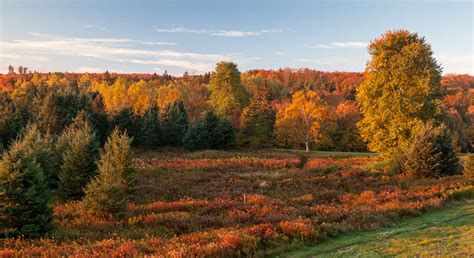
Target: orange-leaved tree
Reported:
point(300, 122)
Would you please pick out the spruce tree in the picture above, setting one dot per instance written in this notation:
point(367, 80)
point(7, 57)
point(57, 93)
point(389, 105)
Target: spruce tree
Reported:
point(79, 150)
point(175, 123)
point(257, 121)
point(42, 148)
point(126, 121)
point(109, 192)
point(212, 132)
point(150, 131)
point(430, 153)
point(24, 196)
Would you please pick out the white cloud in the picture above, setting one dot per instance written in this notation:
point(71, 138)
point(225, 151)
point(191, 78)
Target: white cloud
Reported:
point(351, 44)
point(91, 26)
point(221, 33)
point(86, 69)
point(456, 63)
point(323, 61)
point(280, 53)
point(110, 49)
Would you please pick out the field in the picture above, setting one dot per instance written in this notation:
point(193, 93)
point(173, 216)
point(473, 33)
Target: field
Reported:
point(234, 203)
point(445, 232)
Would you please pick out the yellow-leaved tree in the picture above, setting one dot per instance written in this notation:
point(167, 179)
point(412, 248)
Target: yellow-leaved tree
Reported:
point(400, 93)
point(300, 122)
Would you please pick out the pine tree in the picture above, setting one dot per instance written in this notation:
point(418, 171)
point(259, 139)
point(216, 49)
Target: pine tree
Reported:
point(126, 121)
point(79, 150)
point(109, 192)
point(257, 121)
point(175, 123)
point(42, 148)
point(24, 196)
point(150, 131)
point(210, 133)
point(430, 153)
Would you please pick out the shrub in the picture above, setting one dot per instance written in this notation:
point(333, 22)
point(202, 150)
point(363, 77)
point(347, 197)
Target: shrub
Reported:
point(430, 153)
point(79, 149)
point(468, 163)
point(24, 196)
point(108, 193)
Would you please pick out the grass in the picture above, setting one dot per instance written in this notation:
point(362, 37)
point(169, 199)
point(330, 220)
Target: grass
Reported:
point(445, 232)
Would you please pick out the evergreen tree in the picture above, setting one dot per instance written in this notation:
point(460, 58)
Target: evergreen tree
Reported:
point(42, 148)
point(210, 133)
point(400, 92)
point(109, 192)
point(257, 121)
point(430, 153)
point(175, 123)
point(150, 131)
point(126, 121)
point(79, 149)
point(24, 196)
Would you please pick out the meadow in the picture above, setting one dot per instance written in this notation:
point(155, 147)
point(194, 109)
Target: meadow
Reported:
point(243, 203)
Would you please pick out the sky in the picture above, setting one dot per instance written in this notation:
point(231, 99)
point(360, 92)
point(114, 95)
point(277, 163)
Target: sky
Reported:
point(177, 36)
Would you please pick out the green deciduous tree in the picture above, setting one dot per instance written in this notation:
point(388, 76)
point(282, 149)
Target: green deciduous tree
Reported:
point(227, 93)
point(24, 196)
point(400, 92)
point(79, 150)
point(109, 192)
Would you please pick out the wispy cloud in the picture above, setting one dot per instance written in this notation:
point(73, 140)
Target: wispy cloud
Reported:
point(323, 61)
point(221, 33)
point(91, 26)
point(85, 69)
point(456, 63)
point(350, 44)
point(110, 49)
point(280, 53)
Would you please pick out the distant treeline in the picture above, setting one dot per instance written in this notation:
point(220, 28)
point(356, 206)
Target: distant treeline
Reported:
point(253, 102)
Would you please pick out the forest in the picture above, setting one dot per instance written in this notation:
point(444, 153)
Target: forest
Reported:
point(229, 163)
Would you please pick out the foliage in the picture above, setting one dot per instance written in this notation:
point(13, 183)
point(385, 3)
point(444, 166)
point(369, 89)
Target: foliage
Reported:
point(227, 92)
point(126, 121)
point(42, 148)
point(184, 212)
point(150, 131)
point(79, 150)
point(212, 132)
point(400, 92)
point(108, 193)
point(300, 122)
point(24, 195)
point(468, 164)
point(257, 120)
point(174, 123)
point(430, 153)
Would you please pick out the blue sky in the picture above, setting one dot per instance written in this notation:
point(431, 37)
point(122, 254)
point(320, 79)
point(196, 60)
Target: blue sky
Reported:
point(177, 36)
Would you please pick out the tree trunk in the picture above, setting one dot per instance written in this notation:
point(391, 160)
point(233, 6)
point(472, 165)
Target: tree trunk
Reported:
point(307, 146)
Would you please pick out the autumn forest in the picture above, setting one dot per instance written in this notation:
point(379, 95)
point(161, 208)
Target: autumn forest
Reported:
point(229, 162)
